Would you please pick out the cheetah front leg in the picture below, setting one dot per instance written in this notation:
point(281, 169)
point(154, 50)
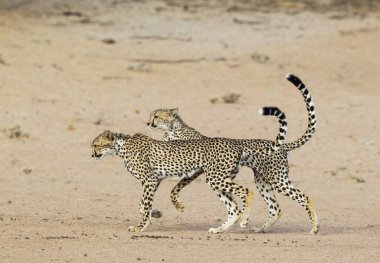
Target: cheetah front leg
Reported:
point(174, 194)
point(154, 212)
point(149, 188)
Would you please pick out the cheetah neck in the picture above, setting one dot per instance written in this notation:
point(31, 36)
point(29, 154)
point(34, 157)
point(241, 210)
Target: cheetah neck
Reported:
point(119, 146)
point(179, 124)
point(120, 143)
point(179, 130)
point(120, 136)
point(176, 130)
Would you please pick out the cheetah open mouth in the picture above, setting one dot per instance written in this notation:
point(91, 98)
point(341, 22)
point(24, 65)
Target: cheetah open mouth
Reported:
point(151, 125)
point(97, 156)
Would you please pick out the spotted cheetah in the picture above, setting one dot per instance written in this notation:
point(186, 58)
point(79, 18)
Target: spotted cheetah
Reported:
point(270, 172)
point(150, 161)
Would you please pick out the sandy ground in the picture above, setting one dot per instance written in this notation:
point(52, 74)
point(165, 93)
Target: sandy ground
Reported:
point(70, 70)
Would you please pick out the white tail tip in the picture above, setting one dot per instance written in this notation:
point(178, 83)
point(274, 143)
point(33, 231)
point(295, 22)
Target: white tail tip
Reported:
point(261, 111)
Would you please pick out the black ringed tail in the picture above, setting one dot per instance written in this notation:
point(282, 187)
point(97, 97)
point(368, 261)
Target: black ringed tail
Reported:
point(274, 111)
point(312, 123)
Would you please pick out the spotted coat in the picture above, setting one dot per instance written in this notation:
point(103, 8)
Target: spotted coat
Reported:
point(150, 161)
point(271, 172)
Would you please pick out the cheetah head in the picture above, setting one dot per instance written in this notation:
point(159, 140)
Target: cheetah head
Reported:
point(162, 118)
point(103, 145)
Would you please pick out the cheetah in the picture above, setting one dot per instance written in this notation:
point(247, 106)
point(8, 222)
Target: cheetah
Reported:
point(270, 172)
point(151, 161)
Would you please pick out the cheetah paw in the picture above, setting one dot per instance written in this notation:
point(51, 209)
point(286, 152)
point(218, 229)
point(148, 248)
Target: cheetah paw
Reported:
point(244, 223)
point(215, 230)
point(315, 230)
point(134, 229)
point(259, 229)
point(180, 207)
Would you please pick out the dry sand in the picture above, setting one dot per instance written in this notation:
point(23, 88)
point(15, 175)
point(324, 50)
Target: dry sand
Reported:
point(71, 69)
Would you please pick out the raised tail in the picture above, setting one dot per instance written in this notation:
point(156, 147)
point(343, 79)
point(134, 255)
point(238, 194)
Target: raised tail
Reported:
point(274, 111)
point(311, 113)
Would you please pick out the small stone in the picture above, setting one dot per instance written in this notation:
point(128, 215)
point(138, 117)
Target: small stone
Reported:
point(156, 213)
point(213, 100)
point(260, 58)
point(108, 41)
point(70, 127)
point(231, 97)
point(98, 122)
point(72, 13)
point(15, 132)
point(27, 171)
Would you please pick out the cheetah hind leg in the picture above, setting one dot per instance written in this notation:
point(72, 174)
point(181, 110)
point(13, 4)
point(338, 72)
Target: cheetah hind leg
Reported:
point(174, 194)
point(302, 199)
point(245, 195)
point(267, 193)
point(233, 212)
point(313, 217)
point(245, 215)
point(231, 220)
point(270, 221)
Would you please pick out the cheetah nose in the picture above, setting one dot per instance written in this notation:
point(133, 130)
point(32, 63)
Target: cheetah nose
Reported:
point(148, 123)
point(92, 155)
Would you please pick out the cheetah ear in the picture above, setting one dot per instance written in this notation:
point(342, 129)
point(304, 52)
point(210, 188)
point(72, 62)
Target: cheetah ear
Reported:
point(174, 111)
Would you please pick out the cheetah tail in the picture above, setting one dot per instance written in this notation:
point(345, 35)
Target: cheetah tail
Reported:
point(274, 111)
point(311, 114)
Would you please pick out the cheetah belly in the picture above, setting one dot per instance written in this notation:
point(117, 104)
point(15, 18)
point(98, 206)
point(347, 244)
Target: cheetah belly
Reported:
point(163, 173)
